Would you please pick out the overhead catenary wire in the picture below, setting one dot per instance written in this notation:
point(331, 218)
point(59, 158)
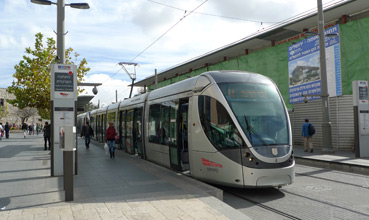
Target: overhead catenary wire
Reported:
point(330, 3)
point(214, 15)
point(184, 16)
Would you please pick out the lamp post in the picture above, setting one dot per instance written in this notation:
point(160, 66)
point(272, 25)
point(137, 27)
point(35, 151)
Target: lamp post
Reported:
point(60, 44)
point(326, 125)
point(63, 106)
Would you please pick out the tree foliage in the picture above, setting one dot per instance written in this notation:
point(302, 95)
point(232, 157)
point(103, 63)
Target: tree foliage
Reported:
point(31, 86)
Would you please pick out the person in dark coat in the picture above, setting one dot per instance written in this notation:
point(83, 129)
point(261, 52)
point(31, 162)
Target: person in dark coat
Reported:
point(110, 139)
point(7, 129)
point(47, 134)
point(87, 132)
point(24, 129)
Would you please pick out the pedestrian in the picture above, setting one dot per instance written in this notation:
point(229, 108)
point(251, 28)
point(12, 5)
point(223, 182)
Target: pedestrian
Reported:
point(47, 134)
point(30, 128)
point(1, 131)
point(87, 132)
point(307, 136)
point(24, 129)
point(7, 129)
point(110, 139)
point(38, 128)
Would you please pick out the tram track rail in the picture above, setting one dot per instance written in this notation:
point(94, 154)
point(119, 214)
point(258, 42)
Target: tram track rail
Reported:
point(256, 203)
point(306, 174)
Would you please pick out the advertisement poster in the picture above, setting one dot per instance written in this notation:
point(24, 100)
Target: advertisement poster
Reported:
point(304, 67)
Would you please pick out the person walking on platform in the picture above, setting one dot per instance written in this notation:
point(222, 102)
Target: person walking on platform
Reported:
point(87, 132)
point(37, 128)
point(30, 129)
point(47, 134)
point(110, 139)
point(24, 129)
point(1, 131)
point(307, 136)
point(7, 129)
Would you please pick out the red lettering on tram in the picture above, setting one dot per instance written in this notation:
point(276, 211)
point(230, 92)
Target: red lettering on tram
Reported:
point(209, 163)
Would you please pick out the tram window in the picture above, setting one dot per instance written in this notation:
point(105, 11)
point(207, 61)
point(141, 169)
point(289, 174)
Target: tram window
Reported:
point(123, 122)
point(164, 131)
point(111, 118)
point(129, 127)
point(173, 122)
point(217, 124)
point(260, 112)
point(92, 122)
point(154, 124)
point(137, 126)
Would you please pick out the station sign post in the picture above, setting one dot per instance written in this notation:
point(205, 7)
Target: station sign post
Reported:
point(361, 117)
point(63, 97)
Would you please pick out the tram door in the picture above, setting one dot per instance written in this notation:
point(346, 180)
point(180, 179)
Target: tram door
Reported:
point(137, 132)
point(103, 126)
point(129, 137)
point(179, 148)
point(121, 122)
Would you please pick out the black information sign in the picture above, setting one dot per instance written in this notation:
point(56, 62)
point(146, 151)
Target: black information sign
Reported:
point(363, 93)
point(64, 109)
point(64, 82)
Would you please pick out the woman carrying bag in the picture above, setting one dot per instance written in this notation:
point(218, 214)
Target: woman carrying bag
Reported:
point(110, 139)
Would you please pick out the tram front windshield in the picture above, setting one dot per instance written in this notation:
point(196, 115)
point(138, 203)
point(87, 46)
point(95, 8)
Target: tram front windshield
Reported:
point(261, 113)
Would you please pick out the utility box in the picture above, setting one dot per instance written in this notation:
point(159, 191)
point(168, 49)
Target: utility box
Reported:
point(67, 138)
point(361, 117)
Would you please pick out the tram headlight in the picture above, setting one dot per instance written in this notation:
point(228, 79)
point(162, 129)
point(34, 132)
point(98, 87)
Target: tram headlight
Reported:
point(251, 159)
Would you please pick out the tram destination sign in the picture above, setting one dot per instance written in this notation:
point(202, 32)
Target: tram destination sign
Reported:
point(64, 82)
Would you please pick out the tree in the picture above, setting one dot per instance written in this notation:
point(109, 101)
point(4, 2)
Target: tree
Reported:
point(25, 113)
point(31, 87)
point(91, 106)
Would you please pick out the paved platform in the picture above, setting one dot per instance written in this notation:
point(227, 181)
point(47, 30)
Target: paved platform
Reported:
point(342, 160)
point(122, 188)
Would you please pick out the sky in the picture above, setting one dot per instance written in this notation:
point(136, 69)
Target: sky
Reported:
point(156, 34)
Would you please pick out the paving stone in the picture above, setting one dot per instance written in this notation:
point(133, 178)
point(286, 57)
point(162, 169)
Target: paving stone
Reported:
point(124, 188)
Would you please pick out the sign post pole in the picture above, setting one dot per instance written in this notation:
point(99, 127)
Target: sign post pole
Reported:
point(63, 96)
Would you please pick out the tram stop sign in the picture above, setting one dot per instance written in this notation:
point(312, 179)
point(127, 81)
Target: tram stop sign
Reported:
point(63, 82)
point(64, 95)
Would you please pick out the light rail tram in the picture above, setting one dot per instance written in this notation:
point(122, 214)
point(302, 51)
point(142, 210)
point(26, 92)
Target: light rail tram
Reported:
point(224, 127)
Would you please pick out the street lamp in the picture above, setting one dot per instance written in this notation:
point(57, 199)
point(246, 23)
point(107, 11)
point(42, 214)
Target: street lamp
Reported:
point(67, 155)
point(60, 45)
point(326, 125)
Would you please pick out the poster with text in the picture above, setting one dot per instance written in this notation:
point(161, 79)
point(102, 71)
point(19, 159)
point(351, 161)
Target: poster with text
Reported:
point(304, 67)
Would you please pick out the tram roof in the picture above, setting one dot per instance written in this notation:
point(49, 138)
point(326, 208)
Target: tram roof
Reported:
point(291, 27)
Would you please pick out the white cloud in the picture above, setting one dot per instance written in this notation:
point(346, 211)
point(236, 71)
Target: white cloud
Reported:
point(113, 31)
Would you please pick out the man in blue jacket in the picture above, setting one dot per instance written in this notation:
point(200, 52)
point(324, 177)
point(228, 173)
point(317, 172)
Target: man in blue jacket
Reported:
point(307, 137)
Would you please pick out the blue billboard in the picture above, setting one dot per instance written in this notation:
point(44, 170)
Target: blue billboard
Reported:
point(304, 67)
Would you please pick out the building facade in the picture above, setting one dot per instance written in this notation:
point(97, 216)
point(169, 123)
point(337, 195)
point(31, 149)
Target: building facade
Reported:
point(9, 112)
